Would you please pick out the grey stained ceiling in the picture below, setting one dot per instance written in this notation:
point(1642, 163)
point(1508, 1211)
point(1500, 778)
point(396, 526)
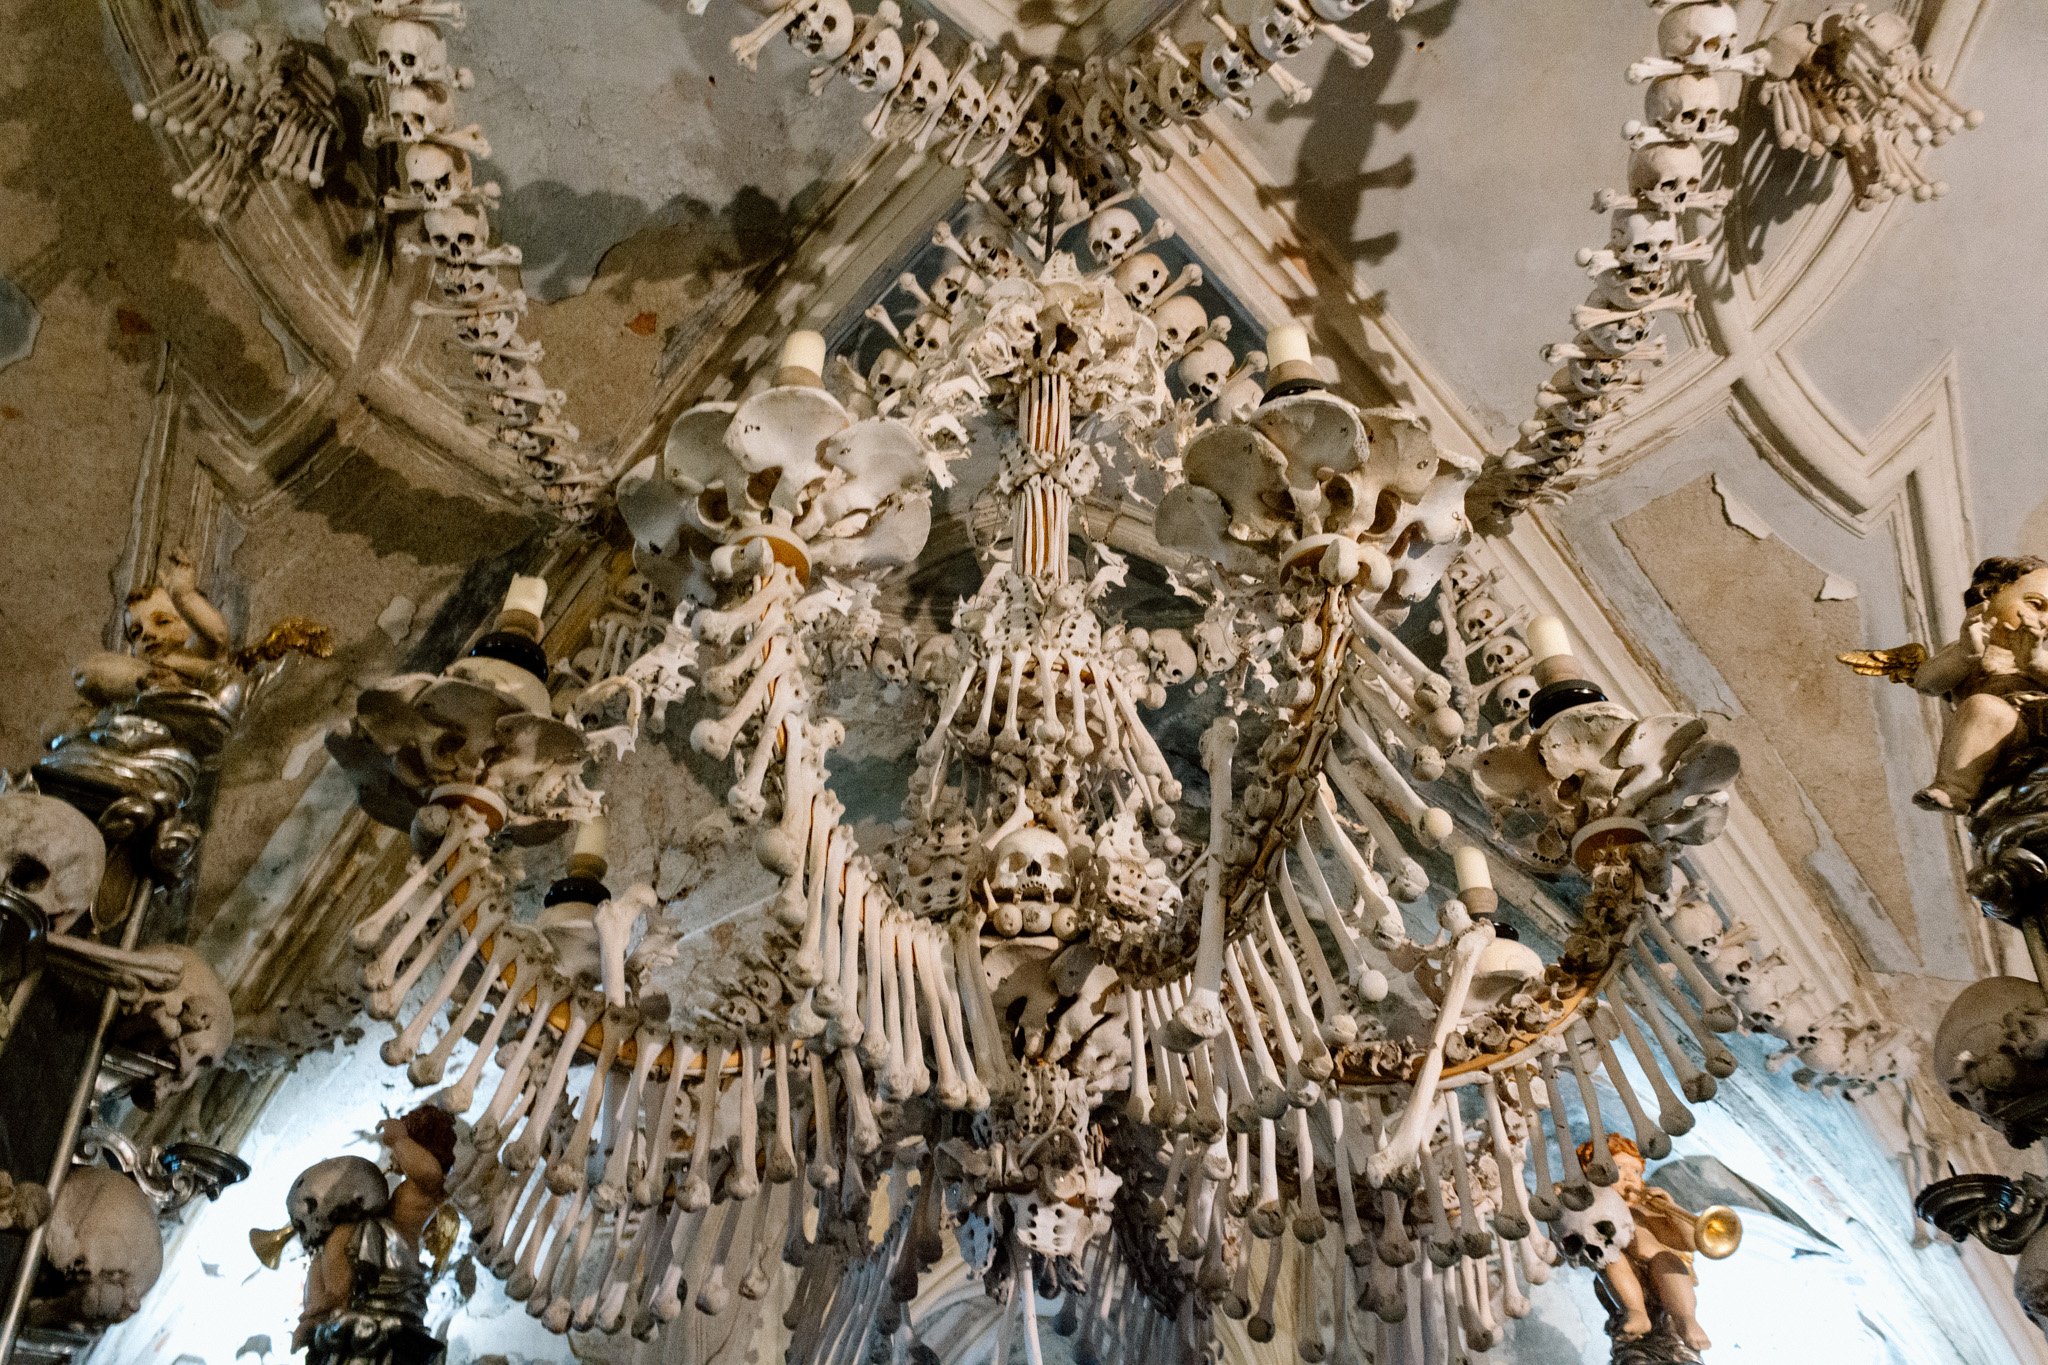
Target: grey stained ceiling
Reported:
point(1866, 386)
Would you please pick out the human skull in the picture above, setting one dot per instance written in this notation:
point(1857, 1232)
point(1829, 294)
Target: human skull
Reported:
point(1595, 1236)
point(1181, 90)
point(1238, 400)
point(878, 65)
point(1204, 369)
point(1180, 319)
point(51, 856)
point(1030, 864)
point(1098, 178)
point(414, 113)
point(1503, 654)
point(1702, 34)
point(1595, 373)
point(1138, 101)
point(237, 50)
point(1505, 967)
point(927, 333)
point(468, 283)
point(1514, 695)
point(1641, 241)
point(1969, 1054)
point(891, 373)
point(193, 1022)
point(434, 175)
point(823, 29)
point(924, 83)
point(410, 52)
point(1621, 287)
point(956, 282)
point(457, 235)
point(1141, 278)
point(1112, 232)
point(1281, 31)
point(1228, 71)
point(1619, 336)
point(1734, 964)
point(1697, 924)
point(487, 329)
point(1686, 107)
point(1173, 658)
point(1101, 122)
point(1480, 616)
point(966, 105)
point(987, 246)
point(2030, 1279)
point(1666, 175)
point(327, 1194)
point(102, 1242)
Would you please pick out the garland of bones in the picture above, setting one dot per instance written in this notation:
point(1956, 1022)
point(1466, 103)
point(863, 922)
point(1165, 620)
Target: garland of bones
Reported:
point(264, 106)
point(1849, 84)
point(1097, 1044)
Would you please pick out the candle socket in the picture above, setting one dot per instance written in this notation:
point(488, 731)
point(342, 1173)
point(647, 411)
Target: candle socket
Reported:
point(590, 865)
point(578, 888)
point(518, 622)
point(1481, 902)
point(1561, 684)
point(1290, 377)
point(798, 376)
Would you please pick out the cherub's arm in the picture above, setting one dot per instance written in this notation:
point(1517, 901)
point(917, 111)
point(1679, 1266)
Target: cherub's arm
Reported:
point(413, 1161)
point(211, 638)
point(330, 1280)
point(1950, 667)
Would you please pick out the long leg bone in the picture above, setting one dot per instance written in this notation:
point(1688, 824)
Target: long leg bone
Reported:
point(1400, 1148)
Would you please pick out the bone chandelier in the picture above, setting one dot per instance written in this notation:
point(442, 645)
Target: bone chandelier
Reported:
point(1151, 1066)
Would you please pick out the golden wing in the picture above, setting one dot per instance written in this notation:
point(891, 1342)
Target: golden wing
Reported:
point(292, 635)
point(1898, 663)
point(440, 1235)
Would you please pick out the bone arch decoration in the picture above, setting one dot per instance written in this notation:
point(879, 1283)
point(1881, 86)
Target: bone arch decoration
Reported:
point(870, 982)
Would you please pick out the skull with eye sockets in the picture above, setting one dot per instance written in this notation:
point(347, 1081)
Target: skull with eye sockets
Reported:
point(51, 857)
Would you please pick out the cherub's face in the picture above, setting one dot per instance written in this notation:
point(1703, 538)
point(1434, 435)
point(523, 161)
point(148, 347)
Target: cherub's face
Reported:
point(155, 626)
point(1631, 1168)
point(2022, 605)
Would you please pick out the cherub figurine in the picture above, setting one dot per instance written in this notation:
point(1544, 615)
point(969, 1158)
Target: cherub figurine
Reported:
point(366, 1293)
point(1996, 669)
point(180, 639)
point(1652, 1277)
point(422, 1147)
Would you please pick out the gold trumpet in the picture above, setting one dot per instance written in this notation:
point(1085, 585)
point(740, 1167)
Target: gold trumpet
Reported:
point(1717, 1232)
point(269, 1246)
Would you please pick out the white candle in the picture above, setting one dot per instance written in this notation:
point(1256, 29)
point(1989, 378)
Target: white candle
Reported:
point(591, 838)
point(1286, 343)
point(1473, 873)
point(1547, 639)
point(804, 351)
point(526, 594)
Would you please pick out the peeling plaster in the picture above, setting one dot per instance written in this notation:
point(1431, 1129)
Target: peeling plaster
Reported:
point(1835, 588)
point(1740, 514)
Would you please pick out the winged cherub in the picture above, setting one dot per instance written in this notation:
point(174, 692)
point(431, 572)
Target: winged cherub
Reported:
point(1996, 670)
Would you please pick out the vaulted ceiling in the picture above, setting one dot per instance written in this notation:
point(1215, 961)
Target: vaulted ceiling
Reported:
point(1847, 422)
